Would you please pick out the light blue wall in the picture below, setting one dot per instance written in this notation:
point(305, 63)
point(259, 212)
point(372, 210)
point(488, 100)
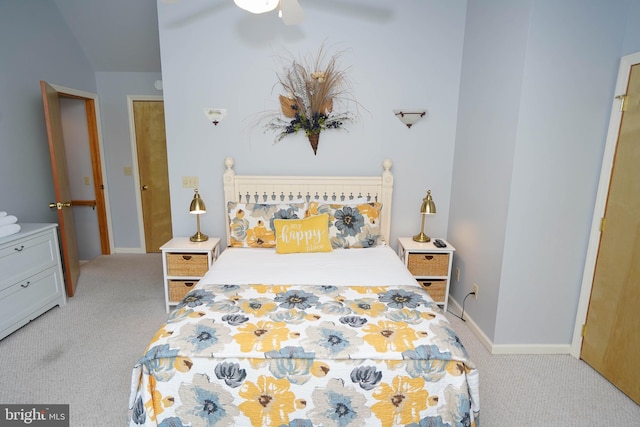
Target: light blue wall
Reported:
point(35, 45)
point(565, 107)
point(494, 52)
point(632, 33)
point(549, 125)
point(113, 90)
point(406, 54)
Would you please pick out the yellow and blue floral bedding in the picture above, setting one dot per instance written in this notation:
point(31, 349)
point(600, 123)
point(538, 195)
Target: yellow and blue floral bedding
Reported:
point(286, 355)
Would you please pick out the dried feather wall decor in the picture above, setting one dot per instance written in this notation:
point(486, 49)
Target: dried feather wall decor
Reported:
point(312, 89)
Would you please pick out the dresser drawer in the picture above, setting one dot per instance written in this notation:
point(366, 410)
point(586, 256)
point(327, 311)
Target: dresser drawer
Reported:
point(437, 289)
point(187, 264)
point(25, 300)
point(26, 257)
point(428, 264)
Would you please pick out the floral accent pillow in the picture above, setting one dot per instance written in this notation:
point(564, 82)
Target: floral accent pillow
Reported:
point(351, 225)
point(251, 224)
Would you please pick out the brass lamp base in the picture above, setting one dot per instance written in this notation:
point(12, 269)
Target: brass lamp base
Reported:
point(421, 238)
point(199, 237)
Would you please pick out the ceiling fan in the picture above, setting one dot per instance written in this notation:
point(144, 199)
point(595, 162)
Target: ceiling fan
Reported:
point(289, 10)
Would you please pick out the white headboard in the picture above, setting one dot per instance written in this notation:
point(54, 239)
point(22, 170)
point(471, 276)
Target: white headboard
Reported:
point(330, 189)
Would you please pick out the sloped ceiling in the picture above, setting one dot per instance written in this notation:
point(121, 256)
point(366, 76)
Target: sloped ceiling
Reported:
point(115, 35)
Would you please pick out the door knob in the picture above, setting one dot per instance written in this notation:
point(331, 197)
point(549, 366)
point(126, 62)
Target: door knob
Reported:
point(144, 187)
point(59, 205)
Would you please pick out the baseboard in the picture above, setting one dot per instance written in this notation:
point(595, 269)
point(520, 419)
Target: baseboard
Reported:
point(531, 349)
point(509, 348)
point(129, 251)
point(479, 333)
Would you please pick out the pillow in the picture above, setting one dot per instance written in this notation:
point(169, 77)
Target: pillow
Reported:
point(251, 224)
point(351, 226)
point(303, 235)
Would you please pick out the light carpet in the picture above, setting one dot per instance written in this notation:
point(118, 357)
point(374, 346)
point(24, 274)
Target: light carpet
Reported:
point(544, 390)
point(82, 354)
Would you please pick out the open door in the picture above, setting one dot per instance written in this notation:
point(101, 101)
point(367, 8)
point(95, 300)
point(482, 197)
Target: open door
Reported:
point(61, 184)
point(611, 342)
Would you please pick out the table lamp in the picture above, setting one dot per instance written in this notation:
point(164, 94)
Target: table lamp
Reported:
point(197, 207)
point(427, 208)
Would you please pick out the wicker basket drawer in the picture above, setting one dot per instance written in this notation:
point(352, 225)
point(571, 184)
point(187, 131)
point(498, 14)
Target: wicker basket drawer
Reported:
point(437, 289)
point(428, 264)
point(187, 264)
point(179, 288)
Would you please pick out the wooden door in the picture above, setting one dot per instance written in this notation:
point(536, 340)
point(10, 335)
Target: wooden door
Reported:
point(153, 173)
point(96, 168)
point(611, 343)
point(62, 203)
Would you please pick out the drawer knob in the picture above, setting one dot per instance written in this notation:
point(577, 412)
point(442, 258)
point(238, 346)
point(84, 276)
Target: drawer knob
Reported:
point(426, 284)
point(25, 285)
point(189, 284)
point(19, 249)
point(429, 257)
point(186, 257)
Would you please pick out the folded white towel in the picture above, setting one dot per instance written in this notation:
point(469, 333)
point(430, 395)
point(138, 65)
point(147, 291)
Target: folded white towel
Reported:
point(9, 219)
point(2, 213)
point(8, 230)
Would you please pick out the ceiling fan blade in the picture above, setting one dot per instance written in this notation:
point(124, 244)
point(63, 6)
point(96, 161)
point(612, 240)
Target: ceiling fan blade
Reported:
point(257, 6)
point(292, 13)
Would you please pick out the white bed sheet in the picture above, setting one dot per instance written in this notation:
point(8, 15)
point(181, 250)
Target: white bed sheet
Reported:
point(372, 266)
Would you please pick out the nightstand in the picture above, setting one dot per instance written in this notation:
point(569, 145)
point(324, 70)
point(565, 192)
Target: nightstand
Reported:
point(183, 264)
point(430, 265)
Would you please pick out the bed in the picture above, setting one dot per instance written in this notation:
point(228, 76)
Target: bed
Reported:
point(307, 318)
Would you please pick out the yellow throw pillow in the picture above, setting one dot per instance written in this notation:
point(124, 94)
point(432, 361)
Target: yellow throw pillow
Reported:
point(302, 235)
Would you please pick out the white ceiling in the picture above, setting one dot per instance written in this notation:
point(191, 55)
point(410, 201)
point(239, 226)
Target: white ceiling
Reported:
point(115, 35)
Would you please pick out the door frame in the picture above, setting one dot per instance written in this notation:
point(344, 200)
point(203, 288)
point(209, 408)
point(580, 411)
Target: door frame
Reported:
point(601, 199)
point(95, 133)
point(134, 156)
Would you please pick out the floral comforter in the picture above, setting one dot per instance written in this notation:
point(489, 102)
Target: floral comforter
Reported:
point(271, 355)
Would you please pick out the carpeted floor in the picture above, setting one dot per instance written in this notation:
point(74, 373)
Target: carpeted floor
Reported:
point(544, 390)
point(82, 354)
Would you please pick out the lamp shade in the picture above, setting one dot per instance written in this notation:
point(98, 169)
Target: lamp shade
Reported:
point(428, 207)
point(197, 204)
point(215, 115)
point(257, 6)
point(409, 117)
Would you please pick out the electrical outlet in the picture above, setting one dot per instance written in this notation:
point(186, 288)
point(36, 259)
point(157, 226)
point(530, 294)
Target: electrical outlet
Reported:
point(190, 182)
point(457, 274)
point(475, 290)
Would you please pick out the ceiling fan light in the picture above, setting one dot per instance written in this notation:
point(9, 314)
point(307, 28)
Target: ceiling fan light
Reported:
point(257, 6)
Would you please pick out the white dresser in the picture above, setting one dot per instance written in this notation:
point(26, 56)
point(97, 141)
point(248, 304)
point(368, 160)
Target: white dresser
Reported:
point(31, 280)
